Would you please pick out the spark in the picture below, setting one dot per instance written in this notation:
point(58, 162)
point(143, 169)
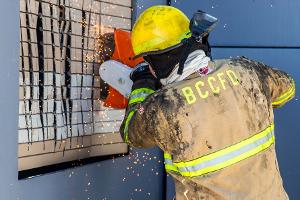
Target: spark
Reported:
point(185, 194)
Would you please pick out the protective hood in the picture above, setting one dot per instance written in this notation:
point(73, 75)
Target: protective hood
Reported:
point(196, 61)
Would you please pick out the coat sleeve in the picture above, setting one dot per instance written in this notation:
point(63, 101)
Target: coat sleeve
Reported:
point(283, 89)
point(281, 86)
point(136, 127)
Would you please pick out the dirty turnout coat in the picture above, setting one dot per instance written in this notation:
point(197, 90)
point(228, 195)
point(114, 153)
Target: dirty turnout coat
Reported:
point(217, 131)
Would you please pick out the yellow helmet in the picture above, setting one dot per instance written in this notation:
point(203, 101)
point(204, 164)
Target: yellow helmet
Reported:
point(159, 29)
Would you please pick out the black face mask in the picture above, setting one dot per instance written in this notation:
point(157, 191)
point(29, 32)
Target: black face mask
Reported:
point(163, 64)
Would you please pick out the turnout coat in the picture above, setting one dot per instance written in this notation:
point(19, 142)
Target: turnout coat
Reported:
point(217, 131)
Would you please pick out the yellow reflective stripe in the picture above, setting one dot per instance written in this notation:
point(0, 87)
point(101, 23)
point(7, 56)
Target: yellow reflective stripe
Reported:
point(279, 102)
point(225, 157)
point(127, 123)
point(171, 168)
point(136, 100)
point(229, 162)
point(169, 164)
point(144, 90)
point(286, 96)
point(139, 95)
point(228, 149)
point(167, 156)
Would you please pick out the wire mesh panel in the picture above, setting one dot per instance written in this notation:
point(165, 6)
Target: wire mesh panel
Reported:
point(60, 115)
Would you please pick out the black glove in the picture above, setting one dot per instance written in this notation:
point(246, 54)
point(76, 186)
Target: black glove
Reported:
point(141, 71)
point(142, 77)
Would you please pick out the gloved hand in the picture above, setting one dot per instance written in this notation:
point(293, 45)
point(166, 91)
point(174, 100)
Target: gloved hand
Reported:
point(142, 77)
point(141, 71)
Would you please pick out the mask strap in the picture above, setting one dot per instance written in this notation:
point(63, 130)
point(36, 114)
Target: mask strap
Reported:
point(184, 55)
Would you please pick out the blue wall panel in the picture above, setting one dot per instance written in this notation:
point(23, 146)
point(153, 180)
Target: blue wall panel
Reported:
point(285, 59)
point(137, 176)
point(250, 23)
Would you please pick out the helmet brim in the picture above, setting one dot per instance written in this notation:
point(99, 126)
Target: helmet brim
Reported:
point(158, 51)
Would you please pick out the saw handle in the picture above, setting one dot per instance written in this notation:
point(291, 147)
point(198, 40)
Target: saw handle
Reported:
point(141, 71)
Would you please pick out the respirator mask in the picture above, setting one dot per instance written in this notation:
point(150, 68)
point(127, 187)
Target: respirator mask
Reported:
point(200, 26)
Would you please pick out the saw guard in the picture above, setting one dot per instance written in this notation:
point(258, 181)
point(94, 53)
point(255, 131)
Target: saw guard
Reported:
point(123, 53)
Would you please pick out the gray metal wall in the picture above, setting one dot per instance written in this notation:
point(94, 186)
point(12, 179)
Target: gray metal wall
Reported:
point(137, 176)
point(266, 31)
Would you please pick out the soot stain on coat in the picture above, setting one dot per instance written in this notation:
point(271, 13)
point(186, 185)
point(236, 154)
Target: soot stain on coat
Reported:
point(216, 94)
point(151, 117)
point(202, 192)
point(256, 68)
point(208, 146)
point(153, 124)
point(178, 97)
point(150, 126)
point(265, 161)
point(170, 103)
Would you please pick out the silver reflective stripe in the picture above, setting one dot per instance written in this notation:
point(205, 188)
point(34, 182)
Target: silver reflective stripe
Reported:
point(227, 156)
point(224, 157)
point(139, 95)
point(168, 161)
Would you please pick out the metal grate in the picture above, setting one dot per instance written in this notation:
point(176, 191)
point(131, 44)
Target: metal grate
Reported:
point(60, 115)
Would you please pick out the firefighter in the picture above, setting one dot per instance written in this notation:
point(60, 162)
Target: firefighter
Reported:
point(213, 119)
